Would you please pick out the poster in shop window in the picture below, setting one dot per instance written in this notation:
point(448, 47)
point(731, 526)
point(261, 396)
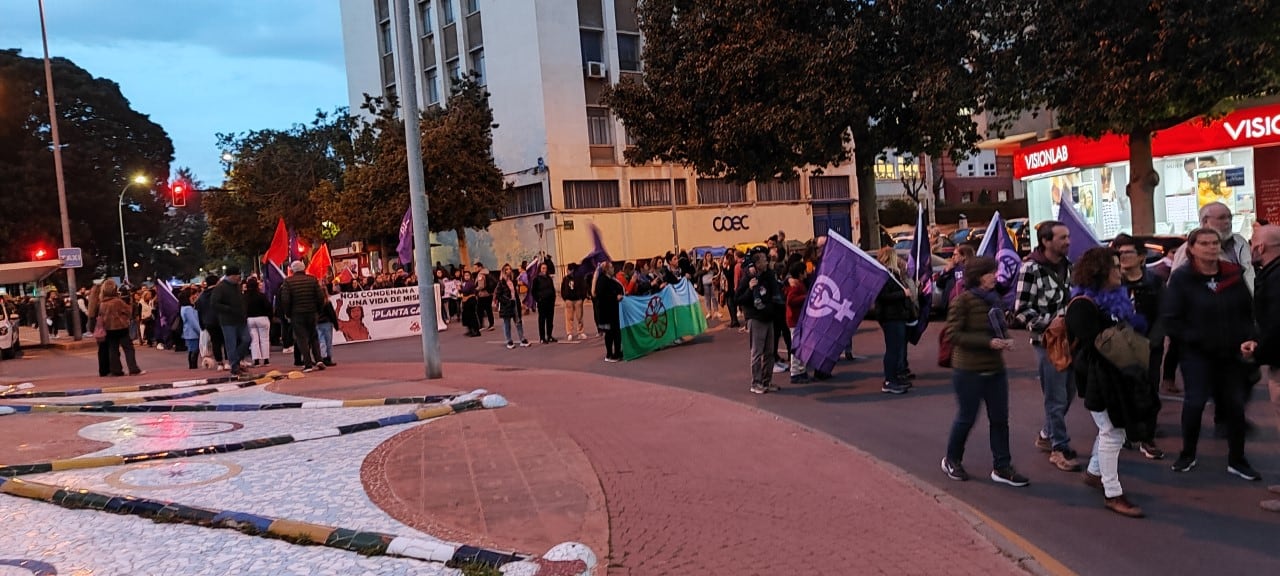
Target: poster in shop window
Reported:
point(1266, 182)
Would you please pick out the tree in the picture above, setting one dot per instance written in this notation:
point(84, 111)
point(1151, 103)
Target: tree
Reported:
point(277, 174)
point(758, 90)
point(1133, 67)
point(105, 143)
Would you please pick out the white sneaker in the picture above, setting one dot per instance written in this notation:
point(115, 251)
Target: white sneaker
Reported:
point(779, 367)
point(223, 366)
point(288, 350)
point(568, 337)
point(582, 336)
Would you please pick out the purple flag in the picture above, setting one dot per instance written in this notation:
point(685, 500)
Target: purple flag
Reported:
point(1082, 238)
point(920, 268)
point(167, 308)
point(593, 259)
point(527, 277)
point(273, 279)
point(843, 291)
point(997, 244)
point(405, 247)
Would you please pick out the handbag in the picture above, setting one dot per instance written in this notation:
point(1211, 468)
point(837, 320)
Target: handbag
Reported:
point(1125, 349)
point(99, 331)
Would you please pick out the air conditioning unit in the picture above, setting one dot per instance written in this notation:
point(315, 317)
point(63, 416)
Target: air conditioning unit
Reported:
point(595, 70)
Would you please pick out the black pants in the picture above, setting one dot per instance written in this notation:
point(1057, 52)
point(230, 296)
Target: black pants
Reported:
point(1171, 357)
point(470, 319)
point(546, 319)
point(484, 311)
point(1225, 381)
point(118, 341)
point(613, 342)
point(305, 342)
point(732, 305)
point(1145, 430)
point(104, 358)
point(781, 334)
point(217, 342)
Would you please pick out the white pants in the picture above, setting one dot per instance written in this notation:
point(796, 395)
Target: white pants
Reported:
point(260, 337)
point(1105, 461)
point(797, 367)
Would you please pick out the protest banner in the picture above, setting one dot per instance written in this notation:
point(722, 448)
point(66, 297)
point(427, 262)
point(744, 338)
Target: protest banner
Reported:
point(658, 320)
point(380, 314)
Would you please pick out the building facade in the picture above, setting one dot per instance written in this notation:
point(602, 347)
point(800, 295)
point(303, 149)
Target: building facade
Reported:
point(545, 65)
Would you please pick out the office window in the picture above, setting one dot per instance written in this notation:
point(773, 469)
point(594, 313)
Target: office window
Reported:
point(988, 169)
point(473, 6)
point(446, 11)
point(720, 191)
point(425, 18)
point(777, 190)
point(599, 126)
point(380, 8)
point(909, 168)
point(431, 84)
point(629, 52)
point(477, 65)
point(583, 194)
point(525, 200)
point(657, 193)
point(885, 170)
point(591, 13)
point(829, 187)
point(592, 46)
point(455, 71)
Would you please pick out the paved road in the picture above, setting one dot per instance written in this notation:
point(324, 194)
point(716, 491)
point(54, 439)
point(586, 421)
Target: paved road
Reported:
point(1200, 522)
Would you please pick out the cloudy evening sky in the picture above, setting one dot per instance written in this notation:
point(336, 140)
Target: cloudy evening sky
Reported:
point(197, 67)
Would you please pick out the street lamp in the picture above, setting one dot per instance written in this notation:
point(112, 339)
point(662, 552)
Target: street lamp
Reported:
point(124, 252)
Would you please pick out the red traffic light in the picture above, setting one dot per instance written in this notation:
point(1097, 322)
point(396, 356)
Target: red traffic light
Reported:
point(179, 190)
point(40, 253)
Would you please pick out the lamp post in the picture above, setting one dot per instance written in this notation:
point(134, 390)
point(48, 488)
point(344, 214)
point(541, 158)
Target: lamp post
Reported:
point(124, 252)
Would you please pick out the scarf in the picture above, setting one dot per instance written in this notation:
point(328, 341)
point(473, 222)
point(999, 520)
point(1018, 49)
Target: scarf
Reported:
point(1116, 303)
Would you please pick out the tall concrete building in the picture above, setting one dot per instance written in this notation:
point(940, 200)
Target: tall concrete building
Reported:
point(545, 64)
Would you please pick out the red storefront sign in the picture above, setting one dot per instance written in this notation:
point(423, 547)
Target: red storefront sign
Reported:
point(1242, 128)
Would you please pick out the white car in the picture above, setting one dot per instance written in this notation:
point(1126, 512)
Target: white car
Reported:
point(8, 330)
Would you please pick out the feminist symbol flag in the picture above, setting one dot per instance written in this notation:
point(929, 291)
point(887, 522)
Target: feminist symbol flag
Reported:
point(844, 289)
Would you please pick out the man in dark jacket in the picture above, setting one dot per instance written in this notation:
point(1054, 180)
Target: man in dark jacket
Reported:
point(544, 295)
point(209, 320)
point(1266, 308)
point(300, 300)
point(756, 296)
point(227, 303)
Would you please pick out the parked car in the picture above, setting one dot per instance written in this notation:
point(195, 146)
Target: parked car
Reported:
point(8, 329)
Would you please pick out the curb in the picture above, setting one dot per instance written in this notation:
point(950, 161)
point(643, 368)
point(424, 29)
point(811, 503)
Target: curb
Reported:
point(133, 405)
point(273, 375)
point(306, 533)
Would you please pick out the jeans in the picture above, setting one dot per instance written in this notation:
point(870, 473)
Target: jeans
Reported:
point(324, 334)
point(797, 366)
point(762, 348)
point(546, 319)
point(506, 328)
point(972, 389)
point(117, 341)
point(305, 345)
point(573, 317)
point(1059, 388)
point(1105, 461)
point(237, 341)
point(1225, 381)
point(1273, 386)
point(260, 337)
point(895, 349)
point(709, 298)
point(193, 352)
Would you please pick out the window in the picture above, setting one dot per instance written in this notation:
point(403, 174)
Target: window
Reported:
point(446, 9)
point(1002, 196)
point(981, 164)
point(592, 46)
point(988, 169)
point(777, 190)
point(909, 168)
point(629, 52)
point(526, 199)
point(455, 71)
point(380, 9)
point(599, 126)
point(591, 13)
point(473, 6)
point(432, 86)
point(424, 17)
point(829, 187)
point(657, 193)
point(967, 197)
point(388, 41)
point(720, 191)
point(885, 170)
point(583, 194)
point(477, 65)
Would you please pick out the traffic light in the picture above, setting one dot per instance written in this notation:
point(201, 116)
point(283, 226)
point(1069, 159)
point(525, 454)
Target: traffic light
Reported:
point(39, 254)
point(179, 190)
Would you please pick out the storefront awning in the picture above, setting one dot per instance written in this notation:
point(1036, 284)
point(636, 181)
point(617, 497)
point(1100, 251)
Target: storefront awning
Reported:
point(27, 272)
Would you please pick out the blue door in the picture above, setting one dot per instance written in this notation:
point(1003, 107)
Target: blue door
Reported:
point(834, 216)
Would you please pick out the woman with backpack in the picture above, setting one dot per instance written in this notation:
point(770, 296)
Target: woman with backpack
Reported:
point(979, 338)
point(1116, 400)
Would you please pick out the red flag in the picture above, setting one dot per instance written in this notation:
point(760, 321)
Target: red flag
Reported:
point(279, 250)
point(320, 263)
point(345, 277)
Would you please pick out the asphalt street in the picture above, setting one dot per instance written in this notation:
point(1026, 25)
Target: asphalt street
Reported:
point(1199, 522)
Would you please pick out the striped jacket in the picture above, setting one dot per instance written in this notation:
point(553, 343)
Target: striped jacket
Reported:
point(1042, 295)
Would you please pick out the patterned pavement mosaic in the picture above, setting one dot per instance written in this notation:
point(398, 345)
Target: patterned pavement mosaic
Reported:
point(307, 486)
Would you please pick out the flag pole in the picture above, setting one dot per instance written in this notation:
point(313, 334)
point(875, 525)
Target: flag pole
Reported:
point(408, 88)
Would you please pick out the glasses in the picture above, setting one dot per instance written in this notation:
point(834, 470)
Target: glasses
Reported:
point(1127, 252)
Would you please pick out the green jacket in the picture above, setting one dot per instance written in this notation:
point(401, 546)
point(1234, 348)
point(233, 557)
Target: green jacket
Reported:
point(970, 332)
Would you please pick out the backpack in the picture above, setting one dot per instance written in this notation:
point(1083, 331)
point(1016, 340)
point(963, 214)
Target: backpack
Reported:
point(944, 347)
point(1057, 345)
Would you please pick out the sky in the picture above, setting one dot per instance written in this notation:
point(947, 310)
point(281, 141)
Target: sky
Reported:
point(197, 67)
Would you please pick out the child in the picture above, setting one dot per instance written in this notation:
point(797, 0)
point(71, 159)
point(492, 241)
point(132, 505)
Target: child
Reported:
point(191, 329)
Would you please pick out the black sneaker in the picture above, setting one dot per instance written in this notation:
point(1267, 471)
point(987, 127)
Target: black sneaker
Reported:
point(893, 388)
point(1184, 464)
point(1009, 476)
point(759, 389)
point(1242, 469)
point(954, 470)
point(1150, 451)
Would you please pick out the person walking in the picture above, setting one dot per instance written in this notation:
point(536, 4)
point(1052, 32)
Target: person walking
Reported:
point(258, 308)
point(470, 315)
point(228, 303)
point(507, 296)
point(979, 338)
point(757, 296)
point(607, 295)
point(574, 294)
point(544, 297)
point(1208, 310)
point(1144, 288)
point(300, 298)
point(1116, 400)
point(1265, 250)
point(1043, 290)
point(190, 327)
point(116, 315)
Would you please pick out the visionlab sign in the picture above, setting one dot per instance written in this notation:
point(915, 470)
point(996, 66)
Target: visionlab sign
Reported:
point(730, 223)
point(1242, 128)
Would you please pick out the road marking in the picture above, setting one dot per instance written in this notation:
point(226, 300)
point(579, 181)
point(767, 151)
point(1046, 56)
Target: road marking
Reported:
point(1050, 564)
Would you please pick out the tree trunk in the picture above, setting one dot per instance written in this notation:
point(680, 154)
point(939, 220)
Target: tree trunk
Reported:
point(868, 204)
point(462, 246)
point(1143, 180)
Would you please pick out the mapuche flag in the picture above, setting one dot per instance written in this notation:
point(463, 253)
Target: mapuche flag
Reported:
point(844, 289)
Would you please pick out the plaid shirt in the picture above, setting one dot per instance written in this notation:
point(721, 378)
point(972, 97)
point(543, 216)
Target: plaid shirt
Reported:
point(1042, 295)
